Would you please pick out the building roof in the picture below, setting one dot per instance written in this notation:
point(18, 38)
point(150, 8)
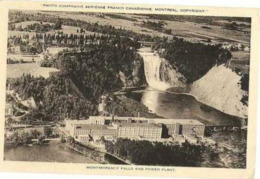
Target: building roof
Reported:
point(116, 118)
point(142, 125)
point(176, 121)
point(148, 120)
point(93, 127)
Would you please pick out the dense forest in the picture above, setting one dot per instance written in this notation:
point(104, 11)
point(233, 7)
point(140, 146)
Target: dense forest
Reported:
point(85, 75)
point(54, 97)
point(96, 71)
point(193, 60)
point(156, 153)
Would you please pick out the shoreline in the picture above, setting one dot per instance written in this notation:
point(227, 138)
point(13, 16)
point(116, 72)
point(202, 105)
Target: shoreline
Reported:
point(187, 94)
point(234, 119)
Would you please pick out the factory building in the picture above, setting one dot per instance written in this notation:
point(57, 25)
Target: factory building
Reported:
point(140, 131)
point(134, 128)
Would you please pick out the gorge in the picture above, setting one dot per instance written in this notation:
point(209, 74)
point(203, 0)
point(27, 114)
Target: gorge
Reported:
point(219, 88)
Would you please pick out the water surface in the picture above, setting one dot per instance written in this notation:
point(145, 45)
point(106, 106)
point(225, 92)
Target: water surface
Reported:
point(181, 106)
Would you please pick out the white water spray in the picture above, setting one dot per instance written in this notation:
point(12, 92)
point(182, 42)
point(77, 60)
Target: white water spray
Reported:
point(159, 74)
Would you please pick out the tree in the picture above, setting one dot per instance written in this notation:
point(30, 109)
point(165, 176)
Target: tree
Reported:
point(47, 131)
point(58, 25)
point(232, 26)
point(26, 138)
point(35, 134)
point(33, 50)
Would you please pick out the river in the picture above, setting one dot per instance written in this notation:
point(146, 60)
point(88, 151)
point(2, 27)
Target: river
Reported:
point(54, 151)
point(160, 76)
point(180, 106)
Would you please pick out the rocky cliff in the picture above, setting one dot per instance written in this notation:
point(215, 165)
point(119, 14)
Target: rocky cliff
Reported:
point(221, 89)
point(136, 77)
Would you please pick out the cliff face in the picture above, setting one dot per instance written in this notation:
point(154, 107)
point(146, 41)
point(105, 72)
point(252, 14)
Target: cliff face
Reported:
point(137, 76)
point(169, 74)
point(220, 89)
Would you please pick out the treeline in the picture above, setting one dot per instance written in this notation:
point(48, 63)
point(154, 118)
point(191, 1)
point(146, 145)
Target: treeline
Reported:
point(15, 61)
point(67, 40)
point(121, 16)
point(156, 153)
point(157, 26)
point(25, 138)
point(193, 60)
point(81, 40)
point(37, 27)
point(210, 20)
point(18, 16)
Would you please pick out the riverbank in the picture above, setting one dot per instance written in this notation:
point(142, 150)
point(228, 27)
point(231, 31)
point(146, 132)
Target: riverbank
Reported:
point(53, 152)
point(121, 105)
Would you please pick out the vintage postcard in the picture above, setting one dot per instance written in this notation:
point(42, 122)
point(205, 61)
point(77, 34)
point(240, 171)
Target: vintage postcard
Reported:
point(128, 89)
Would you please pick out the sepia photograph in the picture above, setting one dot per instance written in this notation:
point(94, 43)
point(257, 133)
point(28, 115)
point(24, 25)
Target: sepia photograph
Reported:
point(127, 89)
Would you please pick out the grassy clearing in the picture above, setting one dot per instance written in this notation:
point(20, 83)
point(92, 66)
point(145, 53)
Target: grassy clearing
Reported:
point(17, 70)
point(216, 33)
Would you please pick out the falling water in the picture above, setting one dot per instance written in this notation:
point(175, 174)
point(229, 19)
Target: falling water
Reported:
point(159, 74)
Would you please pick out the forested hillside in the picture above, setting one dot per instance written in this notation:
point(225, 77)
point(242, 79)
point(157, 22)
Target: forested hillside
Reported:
point(84, 76)
point(193, 60)
point(140, 152)
point(96, 71)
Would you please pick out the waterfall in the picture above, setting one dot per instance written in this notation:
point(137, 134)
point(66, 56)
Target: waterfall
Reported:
point(152, 66)
point(158, 72)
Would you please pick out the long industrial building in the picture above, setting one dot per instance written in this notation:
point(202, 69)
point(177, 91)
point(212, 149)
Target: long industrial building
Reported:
point(133, 128)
